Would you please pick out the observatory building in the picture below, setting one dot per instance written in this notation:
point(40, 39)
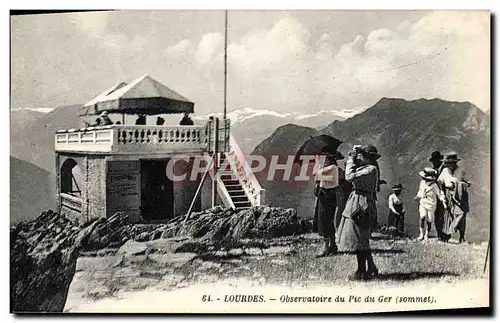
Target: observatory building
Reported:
point(122, 165)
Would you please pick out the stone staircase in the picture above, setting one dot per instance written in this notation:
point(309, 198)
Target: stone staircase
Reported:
point(233, 186)
point(237, 186)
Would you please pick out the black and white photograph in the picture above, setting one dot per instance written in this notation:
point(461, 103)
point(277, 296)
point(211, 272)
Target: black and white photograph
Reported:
point(250, 161)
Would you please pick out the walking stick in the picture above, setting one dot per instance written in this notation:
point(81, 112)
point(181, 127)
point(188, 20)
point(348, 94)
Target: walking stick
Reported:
point(487, 253)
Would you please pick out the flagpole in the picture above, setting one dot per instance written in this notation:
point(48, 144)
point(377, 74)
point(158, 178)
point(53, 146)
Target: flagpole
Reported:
point(225, 66)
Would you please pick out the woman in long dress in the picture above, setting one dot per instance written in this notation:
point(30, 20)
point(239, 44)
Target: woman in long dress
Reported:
point(452, 180)
point(360, 210)
point(330, 201)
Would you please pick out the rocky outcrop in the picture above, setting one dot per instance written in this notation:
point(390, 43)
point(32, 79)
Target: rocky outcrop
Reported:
point(43, 258)
point(44, 251)
point(222, 227)
point(216, 227)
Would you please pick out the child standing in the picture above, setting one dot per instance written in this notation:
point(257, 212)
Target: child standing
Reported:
point(396, 209)
point(428, 194)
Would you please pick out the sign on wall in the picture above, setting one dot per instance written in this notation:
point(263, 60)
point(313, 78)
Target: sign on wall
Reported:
point(123, 186)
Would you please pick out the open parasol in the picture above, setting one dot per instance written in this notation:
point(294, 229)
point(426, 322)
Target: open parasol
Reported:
point(317, 145)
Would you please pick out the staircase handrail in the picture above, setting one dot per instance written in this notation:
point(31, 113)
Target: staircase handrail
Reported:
point(246, 177)
point(224, 194)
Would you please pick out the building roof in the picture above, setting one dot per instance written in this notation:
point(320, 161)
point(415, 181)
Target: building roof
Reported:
point(144, 95)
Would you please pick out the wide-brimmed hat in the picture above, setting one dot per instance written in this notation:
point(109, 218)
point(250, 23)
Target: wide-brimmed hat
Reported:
point(371, 150)
point(397, 187)
point(104, 113)
point(451, 157)
point(436, 155)
point(428, 173)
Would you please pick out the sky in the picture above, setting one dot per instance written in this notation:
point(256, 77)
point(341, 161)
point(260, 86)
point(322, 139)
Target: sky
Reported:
point(291, 61)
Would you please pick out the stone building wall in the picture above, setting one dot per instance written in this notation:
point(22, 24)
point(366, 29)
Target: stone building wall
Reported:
point(94, 200)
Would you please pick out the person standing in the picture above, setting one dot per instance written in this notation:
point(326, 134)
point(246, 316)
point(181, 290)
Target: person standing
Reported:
point(437, 161)
point(437, 164)
point(357, 218)
point(186, 120)
point(141, 120)
point(160, 121)
point(329, 201)
point(428, 195)
point(452, 180)
point(103, 119)
point(396, 209)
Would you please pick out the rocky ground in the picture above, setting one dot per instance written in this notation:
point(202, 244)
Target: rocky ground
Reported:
point(103, 281)
point(57, 265)
point(44, 251)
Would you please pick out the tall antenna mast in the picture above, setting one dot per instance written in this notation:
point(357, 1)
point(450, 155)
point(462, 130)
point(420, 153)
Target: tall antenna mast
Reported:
point(225, 67)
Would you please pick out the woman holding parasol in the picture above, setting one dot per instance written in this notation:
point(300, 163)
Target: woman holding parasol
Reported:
point(329, 188)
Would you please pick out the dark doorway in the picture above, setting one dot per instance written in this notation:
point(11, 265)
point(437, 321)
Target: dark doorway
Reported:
point(157, 197)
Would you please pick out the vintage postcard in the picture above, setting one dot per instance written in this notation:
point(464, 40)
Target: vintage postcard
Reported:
point(239, 161)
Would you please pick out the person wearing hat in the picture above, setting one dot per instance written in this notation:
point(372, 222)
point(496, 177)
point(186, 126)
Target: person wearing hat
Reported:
point(428, 195)
point(437, 161)
point(357, 218)
point(396, 209)
point(186, 120)
point(376, 156)
point(437, 164)
point(329, 199)
point(452, 180)
point(103, 119)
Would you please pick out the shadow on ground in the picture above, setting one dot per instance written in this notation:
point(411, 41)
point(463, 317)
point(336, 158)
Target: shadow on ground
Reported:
point(387, 237)
point(376, 251)
point(413, 275)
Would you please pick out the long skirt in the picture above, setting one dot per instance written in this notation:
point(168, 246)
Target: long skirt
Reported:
point(454, 218)
point(355, 235)
point(351, 237)
point(325, 215)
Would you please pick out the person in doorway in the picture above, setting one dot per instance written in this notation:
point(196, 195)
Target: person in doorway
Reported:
point(452, 180)
point(186, 120)
point(357, 218)
point(330, 200)
point(428, 195)
point(437, 164)
point(396, 209)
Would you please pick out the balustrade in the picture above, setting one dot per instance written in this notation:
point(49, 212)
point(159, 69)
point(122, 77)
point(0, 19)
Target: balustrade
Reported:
point(117, 138)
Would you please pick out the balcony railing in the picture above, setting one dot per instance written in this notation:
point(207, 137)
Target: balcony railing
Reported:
point(133, 139)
